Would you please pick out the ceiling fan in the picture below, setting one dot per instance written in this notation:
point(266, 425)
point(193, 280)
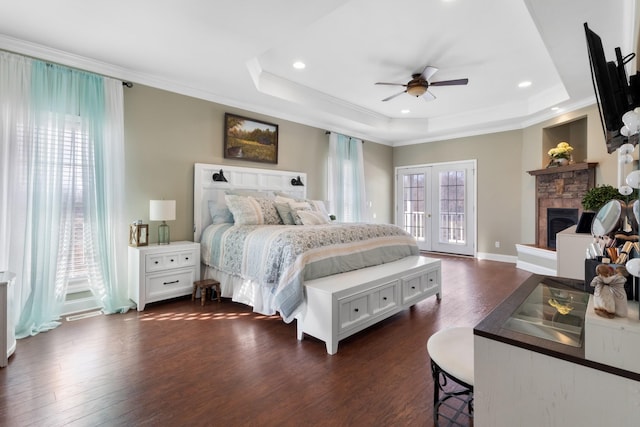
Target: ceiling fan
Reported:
point(419, 84)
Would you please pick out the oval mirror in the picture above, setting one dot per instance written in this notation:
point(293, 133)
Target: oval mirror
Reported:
point(607, 219)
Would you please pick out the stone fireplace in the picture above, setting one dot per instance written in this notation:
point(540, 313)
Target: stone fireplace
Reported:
point(560, 190)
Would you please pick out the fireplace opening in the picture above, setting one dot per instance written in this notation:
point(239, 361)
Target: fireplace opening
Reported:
point(559, 219)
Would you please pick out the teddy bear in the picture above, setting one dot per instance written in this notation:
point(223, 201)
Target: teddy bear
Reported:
point(609, 297)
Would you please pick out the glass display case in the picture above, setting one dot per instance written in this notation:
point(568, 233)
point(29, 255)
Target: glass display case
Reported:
point(553, 313)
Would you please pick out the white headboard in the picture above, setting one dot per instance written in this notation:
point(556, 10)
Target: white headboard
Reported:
point(205, 188)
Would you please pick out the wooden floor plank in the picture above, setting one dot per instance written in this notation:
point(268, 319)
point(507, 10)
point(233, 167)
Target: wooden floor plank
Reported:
point(178, 363)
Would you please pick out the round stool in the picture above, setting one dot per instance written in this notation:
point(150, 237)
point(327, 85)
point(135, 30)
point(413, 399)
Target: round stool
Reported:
point(205, 288)
point(451, 353)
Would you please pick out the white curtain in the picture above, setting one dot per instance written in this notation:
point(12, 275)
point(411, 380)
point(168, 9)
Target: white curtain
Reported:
point(346, 191)
point(62, 169)
point(15, 85)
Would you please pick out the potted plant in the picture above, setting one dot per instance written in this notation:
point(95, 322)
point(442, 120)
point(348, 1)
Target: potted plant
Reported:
point(597, 197)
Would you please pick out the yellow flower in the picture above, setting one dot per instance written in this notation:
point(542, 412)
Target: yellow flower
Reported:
point(561, 151)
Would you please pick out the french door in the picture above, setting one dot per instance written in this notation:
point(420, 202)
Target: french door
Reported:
point(436, 204)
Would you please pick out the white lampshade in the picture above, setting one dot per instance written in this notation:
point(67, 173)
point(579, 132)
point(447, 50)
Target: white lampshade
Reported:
point(162, 210)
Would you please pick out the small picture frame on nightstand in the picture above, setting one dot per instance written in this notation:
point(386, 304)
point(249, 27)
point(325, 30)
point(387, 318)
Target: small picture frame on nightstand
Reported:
point(138, 235)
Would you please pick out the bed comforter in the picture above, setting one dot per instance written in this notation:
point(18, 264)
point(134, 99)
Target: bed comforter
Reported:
point(280, 258)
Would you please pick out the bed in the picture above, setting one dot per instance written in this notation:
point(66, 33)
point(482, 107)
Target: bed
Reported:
point(273, 249)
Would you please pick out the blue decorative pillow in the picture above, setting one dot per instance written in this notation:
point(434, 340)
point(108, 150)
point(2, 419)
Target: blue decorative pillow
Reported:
point(220, 213)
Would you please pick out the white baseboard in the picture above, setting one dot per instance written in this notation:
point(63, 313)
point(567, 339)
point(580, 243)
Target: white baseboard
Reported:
point(497, 257)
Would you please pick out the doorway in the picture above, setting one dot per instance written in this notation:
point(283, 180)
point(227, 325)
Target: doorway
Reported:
point(436, 204)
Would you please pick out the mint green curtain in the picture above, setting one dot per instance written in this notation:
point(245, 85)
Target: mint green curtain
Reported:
point(346, 186)
point(70, 156)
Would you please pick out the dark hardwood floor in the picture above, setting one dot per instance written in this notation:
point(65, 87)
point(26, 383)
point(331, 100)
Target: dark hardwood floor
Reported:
point(178, 364)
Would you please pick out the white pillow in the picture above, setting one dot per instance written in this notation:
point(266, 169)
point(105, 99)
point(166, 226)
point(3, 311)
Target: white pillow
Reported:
point(270, 214)
point(313, 218)
point(245, 210)
point(282, 199)
point(319, 206)
point(297, 207)
point(252, 210)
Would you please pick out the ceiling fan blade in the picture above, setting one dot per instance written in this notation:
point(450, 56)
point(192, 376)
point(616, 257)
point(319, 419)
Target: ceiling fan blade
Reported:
point(428, 96)
point(390, 84)
point(393, 96)
point(428, 72)
point(450, 82)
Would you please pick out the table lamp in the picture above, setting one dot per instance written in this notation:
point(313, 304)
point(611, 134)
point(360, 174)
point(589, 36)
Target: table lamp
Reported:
point(162, 210)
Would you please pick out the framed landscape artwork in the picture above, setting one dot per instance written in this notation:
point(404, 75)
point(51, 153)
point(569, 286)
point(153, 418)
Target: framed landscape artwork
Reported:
point(250, 139)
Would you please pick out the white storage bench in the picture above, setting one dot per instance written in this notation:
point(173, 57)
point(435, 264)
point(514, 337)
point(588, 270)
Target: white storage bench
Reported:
point(341, 305)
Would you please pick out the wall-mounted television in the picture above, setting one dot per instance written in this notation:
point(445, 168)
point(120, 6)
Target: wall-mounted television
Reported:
point(615, 95)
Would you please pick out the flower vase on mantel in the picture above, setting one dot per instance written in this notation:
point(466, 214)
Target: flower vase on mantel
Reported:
point(560, 161)
point(560, 155)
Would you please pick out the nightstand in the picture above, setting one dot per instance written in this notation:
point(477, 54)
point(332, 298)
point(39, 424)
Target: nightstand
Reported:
point(159, 272)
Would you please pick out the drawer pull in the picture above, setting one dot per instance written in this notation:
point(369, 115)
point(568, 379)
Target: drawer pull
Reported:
point(171, 260)
point(171, 283)
point(356, 310)
point(156, 262)
point(384, 298)
point(413, 287)
point(187, 258)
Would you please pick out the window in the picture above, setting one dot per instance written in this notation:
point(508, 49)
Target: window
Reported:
point(67, 147)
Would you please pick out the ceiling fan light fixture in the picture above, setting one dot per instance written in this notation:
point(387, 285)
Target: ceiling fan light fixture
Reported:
point(417, 90)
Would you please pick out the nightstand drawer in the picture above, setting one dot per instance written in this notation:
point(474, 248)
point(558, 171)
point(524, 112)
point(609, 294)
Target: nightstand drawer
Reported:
point(164, 286)
point(158, 262)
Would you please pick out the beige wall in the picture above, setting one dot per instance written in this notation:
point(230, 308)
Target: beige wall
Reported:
point(506, 193)
point(379, 181)
point(166, 133)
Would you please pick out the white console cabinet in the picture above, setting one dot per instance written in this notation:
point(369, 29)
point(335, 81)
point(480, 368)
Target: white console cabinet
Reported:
point(159, 272)
point(571, 248)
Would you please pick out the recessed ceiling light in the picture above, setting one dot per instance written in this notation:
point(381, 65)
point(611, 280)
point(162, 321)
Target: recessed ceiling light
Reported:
point(299, 65)
point(405, 111)
point(526, 83)
point(557, 109)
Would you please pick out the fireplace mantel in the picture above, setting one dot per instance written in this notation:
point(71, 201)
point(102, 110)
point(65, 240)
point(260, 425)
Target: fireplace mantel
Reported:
point(560, 169)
